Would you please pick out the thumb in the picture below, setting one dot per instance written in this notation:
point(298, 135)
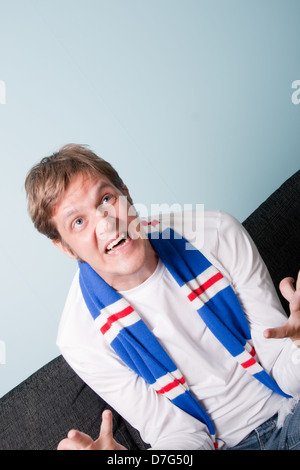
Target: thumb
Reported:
point(287, 288)
point(279, 332)
point(76, 440)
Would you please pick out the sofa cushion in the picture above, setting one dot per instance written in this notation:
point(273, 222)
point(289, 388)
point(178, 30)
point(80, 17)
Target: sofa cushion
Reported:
point(275, 228)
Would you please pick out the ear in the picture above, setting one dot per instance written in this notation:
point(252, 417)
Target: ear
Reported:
point(64, 248)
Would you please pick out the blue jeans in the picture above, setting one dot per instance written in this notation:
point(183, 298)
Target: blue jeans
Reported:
point(268, 437)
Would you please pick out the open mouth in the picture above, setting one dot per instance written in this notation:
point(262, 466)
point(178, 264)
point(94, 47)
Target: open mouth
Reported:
point(122, 240)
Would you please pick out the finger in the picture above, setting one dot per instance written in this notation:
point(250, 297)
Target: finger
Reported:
point(106, 425)
point(65, 444)
point(295, 303)
point(279, 332)
point(298, 281)
point(78, 440)
point(287, 288)
point(68, 444)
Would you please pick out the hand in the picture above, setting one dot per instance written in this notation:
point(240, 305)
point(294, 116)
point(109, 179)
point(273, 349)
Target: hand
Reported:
point(291, 329)
point(77, 440)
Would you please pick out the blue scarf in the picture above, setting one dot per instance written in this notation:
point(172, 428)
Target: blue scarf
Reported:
point(207, 290)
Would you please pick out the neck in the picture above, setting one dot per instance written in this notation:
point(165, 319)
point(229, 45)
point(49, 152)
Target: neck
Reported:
point(130, 281)
point(138, 280)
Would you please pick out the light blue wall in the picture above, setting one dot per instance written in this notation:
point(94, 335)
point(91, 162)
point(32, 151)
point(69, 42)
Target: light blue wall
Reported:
point(191, 100)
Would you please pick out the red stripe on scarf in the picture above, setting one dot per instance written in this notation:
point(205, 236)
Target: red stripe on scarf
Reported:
point(195, 293)
point(248, 363)
point(115, 317)
point(171, 385)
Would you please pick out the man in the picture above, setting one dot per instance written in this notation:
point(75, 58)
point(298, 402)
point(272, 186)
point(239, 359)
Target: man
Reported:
point(192, 361)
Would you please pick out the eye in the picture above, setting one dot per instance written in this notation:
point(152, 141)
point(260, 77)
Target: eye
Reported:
point(78, 222)
point(108, 198)
point(106, 202)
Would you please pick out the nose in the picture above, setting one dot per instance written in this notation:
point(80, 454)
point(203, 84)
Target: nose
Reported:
point(105, 225)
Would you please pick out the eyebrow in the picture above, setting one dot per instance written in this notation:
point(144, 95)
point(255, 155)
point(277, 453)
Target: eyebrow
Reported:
point(68, 214)
point(75, 210)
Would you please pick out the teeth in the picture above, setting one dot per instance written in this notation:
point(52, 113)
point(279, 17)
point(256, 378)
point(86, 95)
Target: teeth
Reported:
point(115, 242)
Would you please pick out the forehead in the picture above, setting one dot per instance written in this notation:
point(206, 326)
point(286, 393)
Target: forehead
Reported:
point(81, 189)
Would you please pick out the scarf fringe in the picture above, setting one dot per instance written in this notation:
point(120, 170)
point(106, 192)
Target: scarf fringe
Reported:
point(286, 409)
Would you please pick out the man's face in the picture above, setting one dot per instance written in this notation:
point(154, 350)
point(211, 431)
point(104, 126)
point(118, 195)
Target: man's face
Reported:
point(99, 226)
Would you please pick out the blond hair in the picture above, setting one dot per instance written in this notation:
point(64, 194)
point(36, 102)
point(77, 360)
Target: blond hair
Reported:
point(47, 181)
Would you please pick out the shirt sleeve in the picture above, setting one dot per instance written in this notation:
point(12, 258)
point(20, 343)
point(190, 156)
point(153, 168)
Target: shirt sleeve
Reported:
point(160, 423)
point(253, 285)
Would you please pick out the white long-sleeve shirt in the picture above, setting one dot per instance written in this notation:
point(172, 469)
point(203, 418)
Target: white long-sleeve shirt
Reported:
point(235, 401)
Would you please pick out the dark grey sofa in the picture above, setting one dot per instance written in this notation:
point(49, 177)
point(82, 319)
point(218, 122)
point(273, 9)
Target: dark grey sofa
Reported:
point(39, 412)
